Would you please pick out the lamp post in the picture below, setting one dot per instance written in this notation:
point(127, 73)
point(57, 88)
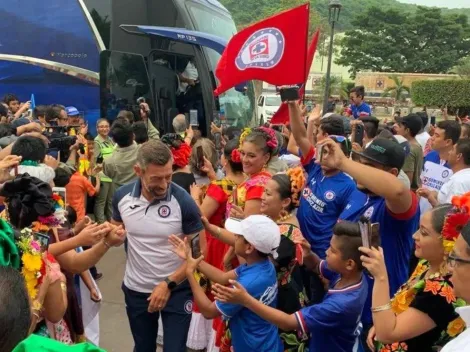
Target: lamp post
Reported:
point(334, 9)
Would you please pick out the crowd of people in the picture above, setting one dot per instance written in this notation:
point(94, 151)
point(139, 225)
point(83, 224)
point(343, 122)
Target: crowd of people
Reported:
point(328, 233)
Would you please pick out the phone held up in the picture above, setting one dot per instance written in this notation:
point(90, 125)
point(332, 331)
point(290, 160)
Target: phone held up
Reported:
point(43, 241)
point(359, 134)
point(200, 157)
point(370, 233)
point(289, 94)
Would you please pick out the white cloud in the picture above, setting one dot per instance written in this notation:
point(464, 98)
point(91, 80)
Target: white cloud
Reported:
point(440, 3)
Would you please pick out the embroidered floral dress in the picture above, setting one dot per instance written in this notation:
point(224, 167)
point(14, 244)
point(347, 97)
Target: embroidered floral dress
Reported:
point(251, 188)
point(291, 291)
point(435, 297)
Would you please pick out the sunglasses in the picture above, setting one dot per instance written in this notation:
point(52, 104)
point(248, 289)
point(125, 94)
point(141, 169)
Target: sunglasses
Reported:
point(337, 139)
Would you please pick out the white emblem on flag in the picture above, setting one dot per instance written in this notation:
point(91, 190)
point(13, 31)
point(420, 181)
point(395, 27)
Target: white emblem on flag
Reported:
point(264, 49)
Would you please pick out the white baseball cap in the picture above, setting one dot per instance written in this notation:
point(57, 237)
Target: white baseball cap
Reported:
point(259, 230)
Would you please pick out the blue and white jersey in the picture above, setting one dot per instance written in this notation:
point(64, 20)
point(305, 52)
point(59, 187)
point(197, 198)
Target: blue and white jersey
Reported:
point(150, 259)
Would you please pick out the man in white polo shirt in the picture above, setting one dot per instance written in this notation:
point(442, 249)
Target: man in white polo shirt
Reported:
point(152, 208)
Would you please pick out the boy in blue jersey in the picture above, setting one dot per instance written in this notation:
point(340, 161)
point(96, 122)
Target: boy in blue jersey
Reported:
point(384, 199)
point(327, 190)
point(358, 107)
point(333, 324)
point(257, 237)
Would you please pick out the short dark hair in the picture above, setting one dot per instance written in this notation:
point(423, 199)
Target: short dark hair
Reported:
point(8, 98)
point(451, 129)
point(62, 177)
point(349, 234)
point(424, 117)
point(52, 113)
point(359, 90)
point(332, 125)
point(370, 129)
point(71, 215)
point(153, 152)
point(126, 114)
point(463, 147)
point(285, 188)
point(122, 133)
point(140, 132)
point(39, 111)
point(30, 148)
point(6, 129)
point(15, 314)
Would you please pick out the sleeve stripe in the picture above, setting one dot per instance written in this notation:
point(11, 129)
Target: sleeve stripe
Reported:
point(301, 322)
point(320, 267)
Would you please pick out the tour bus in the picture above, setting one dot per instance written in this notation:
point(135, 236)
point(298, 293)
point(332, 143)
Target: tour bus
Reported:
point(103, 56)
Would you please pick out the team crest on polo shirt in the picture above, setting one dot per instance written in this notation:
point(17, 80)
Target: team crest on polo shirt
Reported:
point(368, 213)
point(164, 211)
point(264, 49)
point(188, 307)
point(445, 173)
point(330, 195)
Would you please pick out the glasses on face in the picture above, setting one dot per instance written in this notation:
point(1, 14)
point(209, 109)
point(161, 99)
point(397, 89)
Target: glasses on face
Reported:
point(452, 260)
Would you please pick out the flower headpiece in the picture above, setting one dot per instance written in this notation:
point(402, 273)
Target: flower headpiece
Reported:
point(455, 220)
point(243, 135)
point(235, 156)
point(297, 181)
point(271, 140)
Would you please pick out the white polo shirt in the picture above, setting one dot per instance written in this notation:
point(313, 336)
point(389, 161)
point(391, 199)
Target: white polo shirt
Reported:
point(149, 224)
point(458, 184)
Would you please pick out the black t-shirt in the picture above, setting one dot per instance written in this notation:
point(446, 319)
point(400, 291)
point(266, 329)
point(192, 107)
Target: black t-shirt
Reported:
point(184, 180)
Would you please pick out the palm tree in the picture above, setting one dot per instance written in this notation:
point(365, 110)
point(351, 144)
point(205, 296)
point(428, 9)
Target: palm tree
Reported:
point(398, 91)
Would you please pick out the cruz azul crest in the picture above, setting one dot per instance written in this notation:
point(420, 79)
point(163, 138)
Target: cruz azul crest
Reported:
point(264, 49)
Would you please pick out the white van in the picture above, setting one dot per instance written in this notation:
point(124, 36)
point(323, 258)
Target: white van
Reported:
point(267, 107)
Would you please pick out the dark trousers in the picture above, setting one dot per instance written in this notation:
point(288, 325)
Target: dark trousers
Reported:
point(176, 317)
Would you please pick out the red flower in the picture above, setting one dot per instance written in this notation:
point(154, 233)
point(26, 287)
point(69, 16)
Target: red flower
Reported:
point(56, 197)
point(181, 155)
point(236, 156)
point(453, 225)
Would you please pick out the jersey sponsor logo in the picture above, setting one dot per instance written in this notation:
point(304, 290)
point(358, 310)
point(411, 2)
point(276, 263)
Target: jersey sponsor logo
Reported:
point(264, 49)
point(164, 211)
point(330, 195)
point(313, 200)
point(188, 307)
point(269, 295)
point(368, 213)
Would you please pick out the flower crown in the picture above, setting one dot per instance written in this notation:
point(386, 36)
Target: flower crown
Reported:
point(271, 140)
point(235, 156)
point(455, 220)
point(297, 182)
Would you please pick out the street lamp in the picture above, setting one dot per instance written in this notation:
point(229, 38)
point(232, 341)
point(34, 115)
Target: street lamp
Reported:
point(334, 9)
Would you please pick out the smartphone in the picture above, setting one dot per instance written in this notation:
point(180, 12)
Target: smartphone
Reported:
point(375, 235)
point(364, 227)
point(195, 246)
point(193, 121)
point(433, 120)
point(54, 153)
point(43, 240)
point(200, 157)
point(61, 192)
point(359, 134)
point(289, 94)
point(309, 108)
point(99, 159)
point(319, 154)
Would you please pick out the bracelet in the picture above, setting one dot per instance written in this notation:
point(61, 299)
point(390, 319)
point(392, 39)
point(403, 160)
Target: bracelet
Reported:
point(106, 244)
point(385, 307)
point(36, 306)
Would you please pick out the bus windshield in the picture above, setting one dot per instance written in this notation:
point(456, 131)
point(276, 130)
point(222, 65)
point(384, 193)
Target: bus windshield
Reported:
point(238, 107)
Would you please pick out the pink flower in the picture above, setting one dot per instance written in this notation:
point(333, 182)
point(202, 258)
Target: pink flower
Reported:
point(35, 245)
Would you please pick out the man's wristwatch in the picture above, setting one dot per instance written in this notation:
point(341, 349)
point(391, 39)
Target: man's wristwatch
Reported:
point(171, 284)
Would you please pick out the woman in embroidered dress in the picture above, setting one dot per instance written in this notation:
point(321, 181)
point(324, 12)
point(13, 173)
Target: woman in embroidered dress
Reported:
point(421, 316)
point(202, 333)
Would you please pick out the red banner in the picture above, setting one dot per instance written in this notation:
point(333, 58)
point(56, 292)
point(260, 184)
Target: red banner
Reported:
point(267, 51)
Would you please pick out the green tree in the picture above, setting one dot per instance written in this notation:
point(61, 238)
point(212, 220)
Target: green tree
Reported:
point(392, 41)
point(398, 91)
point(463, 68)
point(337, 87)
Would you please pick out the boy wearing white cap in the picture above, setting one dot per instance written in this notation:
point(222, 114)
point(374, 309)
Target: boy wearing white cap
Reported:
point(257, 237)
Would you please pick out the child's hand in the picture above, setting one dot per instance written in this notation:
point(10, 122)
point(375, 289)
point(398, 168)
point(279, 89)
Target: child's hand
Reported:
point(299, 239)
point(95, 296)
point(234, 294)
point(179, 246)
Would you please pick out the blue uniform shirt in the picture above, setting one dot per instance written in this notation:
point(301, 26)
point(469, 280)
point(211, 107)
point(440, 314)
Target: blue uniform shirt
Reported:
point(323, 200)
point(249, 331)
point(334, 324)
point(396, 231)
point(361, 110)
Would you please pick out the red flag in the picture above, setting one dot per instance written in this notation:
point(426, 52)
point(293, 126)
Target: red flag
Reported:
point(267, 51)
point(282, 114)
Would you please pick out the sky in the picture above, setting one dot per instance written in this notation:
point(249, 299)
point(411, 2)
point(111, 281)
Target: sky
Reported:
point(440, 3)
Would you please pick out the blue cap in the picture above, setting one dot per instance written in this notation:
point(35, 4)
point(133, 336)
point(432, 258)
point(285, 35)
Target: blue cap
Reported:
point(20, 122)
point(72, 111)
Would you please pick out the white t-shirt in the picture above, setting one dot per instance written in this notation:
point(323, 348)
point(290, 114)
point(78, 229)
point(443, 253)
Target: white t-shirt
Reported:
point(457, 185)
point(422, 139)
point(461, 342)
point(189, 72)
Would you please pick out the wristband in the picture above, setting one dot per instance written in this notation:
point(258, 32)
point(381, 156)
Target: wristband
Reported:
point(385, 307)
point(106, 244)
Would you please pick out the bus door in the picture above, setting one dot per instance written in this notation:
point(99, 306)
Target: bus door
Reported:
point(124, 83)
point(178, 55)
